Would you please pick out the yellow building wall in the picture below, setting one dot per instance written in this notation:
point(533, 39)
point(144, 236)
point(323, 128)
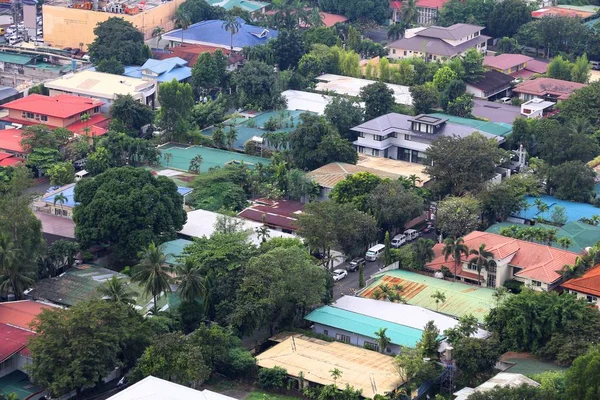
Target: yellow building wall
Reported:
point(70, 27)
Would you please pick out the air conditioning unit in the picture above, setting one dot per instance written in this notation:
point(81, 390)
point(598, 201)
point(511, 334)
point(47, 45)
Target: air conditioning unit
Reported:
point(45, 59)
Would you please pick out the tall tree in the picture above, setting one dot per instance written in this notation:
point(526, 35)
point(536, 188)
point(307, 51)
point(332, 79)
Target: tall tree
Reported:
point(393, 205)
point(484, 259)
point(157, 32)
point(378, 98)
point(257, 86)
point(119, 39)
point(507, 17)
point(191, 282)
point(232, 24)
point(383, 341)
point(425, 97)
point(13, 279)
point(115, 290)
point(455, 248)
point(176, 101)
point(458, 216)
point(581, 377)
point(153, 273)
point(572, 180)
point(344, 114)
point(131, 112)
point(129, 208)
point(409, 14)
point(182, 20)
point(355, 189)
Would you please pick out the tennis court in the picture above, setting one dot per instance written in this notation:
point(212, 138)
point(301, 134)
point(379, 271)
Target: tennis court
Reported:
point(18, 383)
point(180, 157)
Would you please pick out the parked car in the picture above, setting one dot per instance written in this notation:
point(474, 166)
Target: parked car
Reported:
point(339, 274)
point(411, 234)
point(375, 252)
point(355, 264)
point(428, 228)
point(398, 240)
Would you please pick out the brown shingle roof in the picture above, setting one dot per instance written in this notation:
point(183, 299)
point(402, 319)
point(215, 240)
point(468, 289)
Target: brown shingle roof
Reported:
point(549, 86)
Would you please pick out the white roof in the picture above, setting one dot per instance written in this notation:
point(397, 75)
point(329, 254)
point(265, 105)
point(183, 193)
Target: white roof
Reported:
point(351, 86)
point(202, 223)
point(537, 104)
point(101, 85)
point(402, 314)
point(505, 379)
point(306, 101)
point(152, 388)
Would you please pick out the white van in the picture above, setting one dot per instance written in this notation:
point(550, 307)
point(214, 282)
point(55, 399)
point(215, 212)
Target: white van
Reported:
point(411, 234)
point(374, 252)
point(80, 175)
point(398, 240)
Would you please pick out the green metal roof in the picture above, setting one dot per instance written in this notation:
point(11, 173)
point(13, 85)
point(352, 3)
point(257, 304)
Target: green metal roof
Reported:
point(245, 5)
point(181, 157)
point(582, 235)
point(50, 67)
point(12, 58)
point(364, 325)
point(461, 299)
point(174, 249)
point(493, 128)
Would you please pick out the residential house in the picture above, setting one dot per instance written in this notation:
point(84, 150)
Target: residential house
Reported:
point(250, 6)
point(279, 215)
point(404, 137)
point(418, 290)
point(495, 111)
point(428, 11)
point(201, 223)
point(492, 84)
point(61, 111)
point(503, 379)
point(20, 70)
point(55, 227)
point(10, 143)
point(310, 361)
point(152, 388)
point(327, 176)
point(161, 70)
point(535, 265)
point(355, 320)
point(15, 331)
point(103, 87)
point(348, 86)
point(536, 108)
point(9, 160)
point(438, 43)
point(297, 100)
point(191, 52)
point(585, 287)
point(212, 33)
point(548, 89)
point(515, 65)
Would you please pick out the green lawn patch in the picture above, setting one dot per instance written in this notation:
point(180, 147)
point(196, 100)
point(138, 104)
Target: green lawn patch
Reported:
point(269, 396)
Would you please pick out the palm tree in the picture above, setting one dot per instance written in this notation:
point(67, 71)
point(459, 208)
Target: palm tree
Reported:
point(409, 13)
point(564, 242)
point(439, 297)
point(195, 164)
point(314, 19)
point(158, 32)
point(218, 137)
point(232, 25)
point(580, 126)
point(395, 31)
point(335, 374)
point(423, 252)
point(500, 294)
point(61, 199)
point(13, 278)
point(167, 157)
point(182, 21)
point(191, 282)
point(481, 260)
point(117, 291)
point(153, 272)
point(391, 293)
point(231, 137)
point(382, 340)
point(414, 179)
point(455, 248)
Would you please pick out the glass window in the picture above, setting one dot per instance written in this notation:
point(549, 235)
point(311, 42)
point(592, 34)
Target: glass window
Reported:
point(377, 138)
point(407, 137)
point(326, 332)
point(342, 338)
point(592, 299)
point(536, 283)
point(371, 346)
point(44, 117)
point(30, 115)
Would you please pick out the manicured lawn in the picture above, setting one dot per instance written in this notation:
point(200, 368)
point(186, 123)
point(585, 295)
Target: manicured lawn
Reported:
point(269, 396)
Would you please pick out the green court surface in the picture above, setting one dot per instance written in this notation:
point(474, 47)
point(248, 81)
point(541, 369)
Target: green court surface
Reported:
point(531, 366)
point(18, 383)
point(182, 156)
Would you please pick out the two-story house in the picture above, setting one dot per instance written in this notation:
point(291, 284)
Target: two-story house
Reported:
point(404, 137)
point(438, 43)
point(535, 265)
point(586, 286)
point(515, 65)
point(62, 111)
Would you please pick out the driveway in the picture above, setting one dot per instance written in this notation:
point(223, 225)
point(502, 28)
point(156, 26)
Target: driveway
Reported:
point(349, 285)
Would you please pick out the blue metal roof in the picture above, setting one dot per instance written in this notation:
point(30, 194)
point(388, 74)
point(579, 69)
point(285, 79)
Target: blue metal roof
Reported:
point(364, 325)
point(161, 70)
point(575, 211)
point(212, 32)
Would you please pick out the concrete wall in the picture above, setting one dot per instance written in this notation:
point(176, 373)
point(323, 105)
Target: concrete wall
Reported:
point(60, 23)
point(355, 339)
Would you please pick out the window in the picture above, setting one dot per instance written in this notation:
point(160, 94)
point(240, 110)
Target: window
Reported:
point(592, 299)
point(6, 364)
point(536, 283)
point(371, 346)
point(30, 115)
point(407, 137)
point(326, 332)
point(44, 117)
point(96, 109)
point(377, 138)
point(361, 134)
point(393, 51)
point(404, 52)
point(342, 338)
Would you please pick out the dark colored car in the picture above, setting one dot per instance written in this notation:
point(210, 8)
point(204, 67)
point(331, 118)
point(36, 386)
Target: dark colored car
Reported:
point(428, 228)
point(355, 264)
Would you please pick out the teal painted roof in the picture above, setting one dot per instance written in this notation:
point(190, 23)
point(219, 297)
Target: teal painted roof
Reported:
point(246, 5)
point(493, 128)
point(182, 156)
point(174, 249)
point(365, 325)
point(15, 58)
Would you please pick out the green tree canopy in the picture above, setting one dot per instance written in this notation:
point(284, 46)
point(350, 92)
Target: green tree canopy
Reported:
point(425, 97)
point(118, 39)
point(393, 205)
point(110, 66)
point(131, 112)
point(221, 189)
point(458, 216)
point(507, 17)
point(583, 104)
point(200, 10)
point(581, 378)
point(376, 10)
point(475, 12)
point(355, 189)
point(129, 208)
point(572, 180)
point(257, 86)
point(344, 114)
point(61, 173)
point(176, 101)
point(378, 98)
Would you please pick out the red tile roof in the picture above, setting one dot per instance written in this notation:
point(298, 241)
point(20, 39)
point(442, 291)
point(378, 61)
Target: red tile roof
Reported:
point(12, 340)
point(277, 213)
point(98, 125)
point(505, 61)
point(537, 66)
point(330, 20)
point(421, 3)
point(548, 86)
point(10, 140)
point(12, 161)
point(523, 74)
point(589, 283)
point(538, 262)
point(21, 313)
point(61, 106)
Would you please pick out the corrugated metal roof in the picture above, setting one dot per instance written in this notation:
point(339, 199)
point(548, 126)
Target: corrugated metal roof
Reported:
point(365, 325)
point(461, 299)
point(493, 128)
